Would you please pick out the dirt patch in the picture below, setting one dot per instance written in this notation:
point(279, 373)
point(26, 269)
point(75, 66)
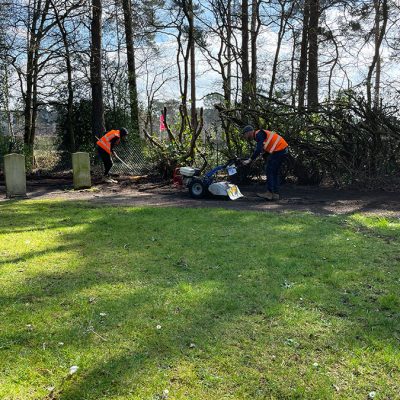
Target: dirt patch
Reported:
point(137, 191)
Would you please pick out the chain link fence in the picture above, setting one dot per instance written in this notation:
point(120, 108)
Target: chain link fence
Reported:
point(134, 154)
point(51, 159)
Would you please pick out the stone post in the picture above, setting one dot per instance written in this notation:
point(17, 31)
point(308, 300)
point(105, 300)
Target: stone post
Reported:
point(14, 171)
point(81, 168)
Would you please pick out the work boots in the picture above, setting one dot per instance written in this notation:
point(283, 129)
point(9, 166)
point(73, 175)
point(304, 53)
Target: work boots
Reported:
point(107, 179)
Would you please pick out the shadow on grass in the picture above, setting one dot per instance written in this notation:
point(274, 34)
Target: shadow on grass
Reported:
point(199, 274)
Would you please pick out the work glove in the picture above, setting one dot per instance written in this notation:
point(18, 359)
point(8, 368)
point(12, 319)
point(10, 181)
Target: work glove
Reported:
point(246, 162)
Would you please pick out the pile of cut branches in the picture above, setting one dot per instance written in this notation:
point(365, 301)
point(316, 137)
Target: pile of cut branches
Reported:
point(345, 141)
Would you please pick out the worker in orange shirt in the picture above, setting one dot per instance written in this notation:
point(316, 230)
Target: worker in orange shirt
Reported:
point(277, 147)
point(105, 147)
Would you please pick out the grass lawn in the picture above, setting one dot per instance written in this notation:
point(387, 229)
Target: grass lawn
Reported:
point(153, 303)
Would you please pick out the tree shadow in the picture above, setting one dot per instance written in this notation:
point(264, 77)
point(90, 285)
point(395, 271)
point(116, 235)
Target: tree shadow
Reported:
point(126, 266)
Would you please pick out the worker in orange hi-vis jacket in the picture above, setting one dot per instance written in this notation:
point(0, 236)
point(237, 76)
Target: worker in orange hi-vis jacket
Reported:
point(277, 147)
point(105, 147)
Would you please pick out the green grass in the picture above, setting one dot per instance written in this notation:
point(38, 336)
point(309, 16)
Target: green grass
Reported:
point(251, 305)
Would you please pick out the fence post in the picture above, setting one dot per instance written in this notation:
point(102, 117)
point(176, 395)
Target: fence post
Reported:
point(14, 171)
point(81, 169)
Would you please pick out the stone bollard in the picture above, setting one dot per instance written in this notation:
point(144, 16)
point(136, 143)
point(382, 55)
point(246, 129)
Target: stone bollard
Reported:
point(81, 168)
point(14, 171)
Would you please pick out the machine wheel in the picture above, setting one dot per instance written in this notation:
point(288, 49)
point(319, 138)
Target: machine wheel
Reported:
point(197, 190)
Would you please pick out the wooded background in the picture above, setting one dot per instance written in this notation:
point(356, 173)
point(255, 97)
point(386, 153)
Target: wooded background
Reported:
point(322, 73)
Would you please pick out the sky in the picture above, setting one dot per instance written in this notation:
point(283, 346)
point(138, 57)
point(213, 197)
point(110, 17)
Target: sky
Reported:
point(356, 58)
point(162, 70)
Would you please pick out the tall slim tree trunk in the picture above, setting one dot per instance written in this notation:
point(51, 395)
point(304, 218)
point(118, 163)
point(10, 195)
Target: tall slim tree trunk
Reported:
point(183, 78)
point(246, 82)
point(378, 61)
point(377, 88)
point(133, 96)
point(34, 98)
point(282, 28)
point(70, 101)
point(70, 106)
point(254, 55)
point(380, 30)
point(6, 94)
point(332, 69)
point(35, 36)
point(228, 80)
point(98, 124)
point(312, 92)
point(228, 83)
point(302, 76)
point(192, 68)
point(31, 45)
point(28, 101)
point(293, 73)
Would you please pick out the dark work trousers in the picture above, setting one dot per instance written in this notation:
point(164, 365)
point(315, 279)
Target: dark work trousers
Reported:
point(107, 161)
point(272, 168)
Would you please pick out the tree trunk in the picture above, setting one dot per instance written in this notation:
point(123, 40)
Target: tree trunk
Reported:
point(246, 82)
point(379, 35)
point(302, 77)
point(377, 45)
point(332, 69)
point(312, 98)
point(282, 30)
point(192, 68)
point(35, 36)
point(228, 86)
point(133, 97)
point(183, 80)
point(228, 80)
point(253, 41)
point(31, 45)
point(293, 73)
point(98, 124)
point(70, 107)
point(6, 95)
point(70, 102)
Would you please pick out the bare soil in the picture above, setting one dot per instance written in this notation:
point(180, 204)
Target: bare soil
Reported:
point(138, 191)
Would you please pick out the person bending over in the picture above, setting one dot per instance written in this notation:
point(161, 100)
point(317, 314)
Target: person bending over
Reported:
point(105, 148)
point(277, 148)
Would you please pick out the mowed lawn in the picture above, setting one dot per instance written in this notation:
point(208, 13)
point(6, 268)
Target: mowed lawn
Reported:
point(157, 303)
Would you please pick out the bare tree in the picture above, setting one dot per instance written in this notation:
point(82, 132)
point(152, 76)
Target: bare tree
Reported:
point(130, 50)
point(286, 11)
point(381, 12)
point(246, 82)
point(302, 75)
point(313, 81)
point(38, 27)
point(220, 29)
point(98, 123)
point(255, 29)
point(188, 10)
point(5, 11)
point(66, 40)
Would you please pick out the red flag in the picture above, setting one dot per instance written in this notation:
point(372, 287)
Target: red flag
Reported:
point(162, 124)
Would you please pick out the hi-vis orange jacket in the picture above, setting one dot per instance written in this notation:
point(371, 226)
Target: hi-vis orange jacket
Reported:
point(105, 141)
point(273, 142)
